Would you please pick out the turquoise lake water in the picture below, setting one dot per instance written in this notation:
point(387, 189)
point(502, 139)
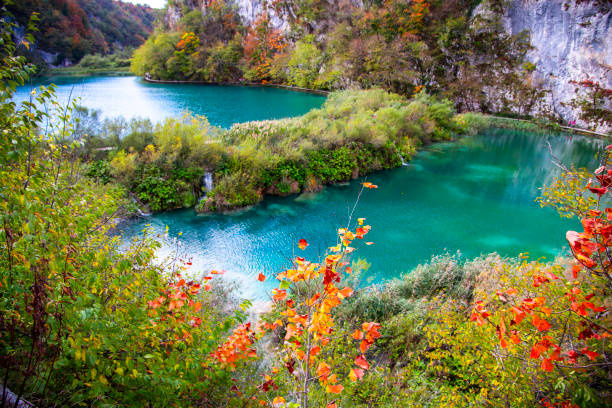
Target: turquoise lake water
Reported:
point(222, 105)
point(475, 196)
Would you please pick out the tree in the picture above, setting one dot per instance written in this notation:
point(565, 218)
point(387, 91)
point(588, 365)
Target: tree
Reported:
point(594, 102)
point(303, 323)
point(83, 321)
point(555, 318)
point(261, 43)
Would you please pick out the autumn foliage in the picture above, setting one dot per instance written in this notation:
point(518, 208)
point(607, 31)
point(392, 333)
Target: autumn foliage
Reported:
point(305, 301)
point(261, 43)
point(559, 318)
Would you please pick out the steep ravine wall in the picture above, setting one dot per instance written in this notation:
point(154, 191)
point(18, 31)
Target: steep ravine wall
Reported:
point(248, 10)
point(571, 39)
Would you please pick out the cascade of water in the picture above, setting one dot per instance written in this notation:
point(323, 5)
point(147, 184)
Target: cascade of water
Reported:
point(207, 183)
point(138, 210)
point(404, 162)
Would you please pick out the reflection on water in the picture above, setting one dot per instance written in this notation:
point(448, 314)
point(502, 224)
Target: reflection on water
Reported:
point(222, 105)
point(475, 196)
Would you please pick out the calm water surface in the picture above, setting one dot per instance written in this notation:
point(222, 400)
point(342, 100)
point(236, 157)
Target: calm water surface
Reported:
point(475, 196)
point(222, 105)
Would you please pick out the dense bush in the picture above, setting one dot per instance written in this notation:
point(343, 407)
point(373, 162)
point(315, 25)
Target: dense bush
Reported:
point(352, 134)
point(84, 319)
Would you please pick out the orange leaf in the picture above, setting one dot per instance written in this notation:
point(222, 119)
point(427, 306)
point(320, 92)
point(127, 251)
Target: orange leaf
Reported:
point(540, 324)
point(261, 277)
point(335, 389)
point(279, 294)
point(369, 185)
point(302, 244)
point(503, 342)
point(323, 369)
point(346, 292)
point(575, 270)
point(358, 335)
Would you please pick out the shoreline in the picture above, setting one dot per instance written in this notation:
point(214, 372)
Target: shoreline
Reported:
point(551, 127)
point(562, 128)
point(251, 84)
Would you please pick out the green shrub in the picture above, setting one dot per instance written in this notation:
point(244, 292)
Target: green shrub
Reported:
point(304, 63)
point(352, 134)
point(100, 171)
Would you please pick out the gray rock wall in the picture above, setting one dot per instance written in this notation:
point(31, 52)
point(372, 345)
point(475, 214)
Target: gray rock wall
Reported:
point(571, 39)
point(248, 10)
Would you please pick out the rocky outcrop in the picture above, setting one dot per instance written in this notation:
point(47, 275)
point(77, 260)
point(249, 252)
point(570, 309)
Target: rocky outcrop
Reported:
point(176, 9)
point(572, 40)
point(248, 10)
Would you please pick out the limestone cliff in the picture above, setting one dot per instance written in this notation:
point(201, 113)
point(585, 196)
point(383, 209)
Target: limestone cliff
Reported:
point(571, 40)
point(248, 10)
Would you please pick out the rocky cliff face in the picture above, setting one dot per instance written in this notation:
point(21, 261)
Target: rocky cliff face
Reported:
point(571, 39)
point(248, 10)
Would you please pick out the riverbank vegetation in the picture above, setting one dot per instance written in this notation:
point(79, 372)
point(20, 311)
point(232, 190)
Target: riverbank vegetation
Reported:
point(117, 63)
point(354, 133)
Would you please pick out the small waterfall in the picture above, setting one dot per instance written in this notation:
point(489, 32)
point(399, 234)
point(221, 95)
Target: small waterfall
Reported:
point(138, 210)
point(404, 162)
point(207, 183)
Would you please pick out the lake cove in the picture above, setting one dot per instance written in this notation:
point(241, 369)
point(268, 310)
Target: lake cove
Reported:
point(475, 195)
point(223, 105)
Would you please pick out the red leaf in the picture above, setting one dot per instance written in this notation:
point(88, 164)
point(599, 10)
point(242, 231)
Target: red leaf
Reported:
point(302, 244)
point(360, 361)
point(598, 190)
point(356, 374)
point(261, 277)
point(540, 324)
